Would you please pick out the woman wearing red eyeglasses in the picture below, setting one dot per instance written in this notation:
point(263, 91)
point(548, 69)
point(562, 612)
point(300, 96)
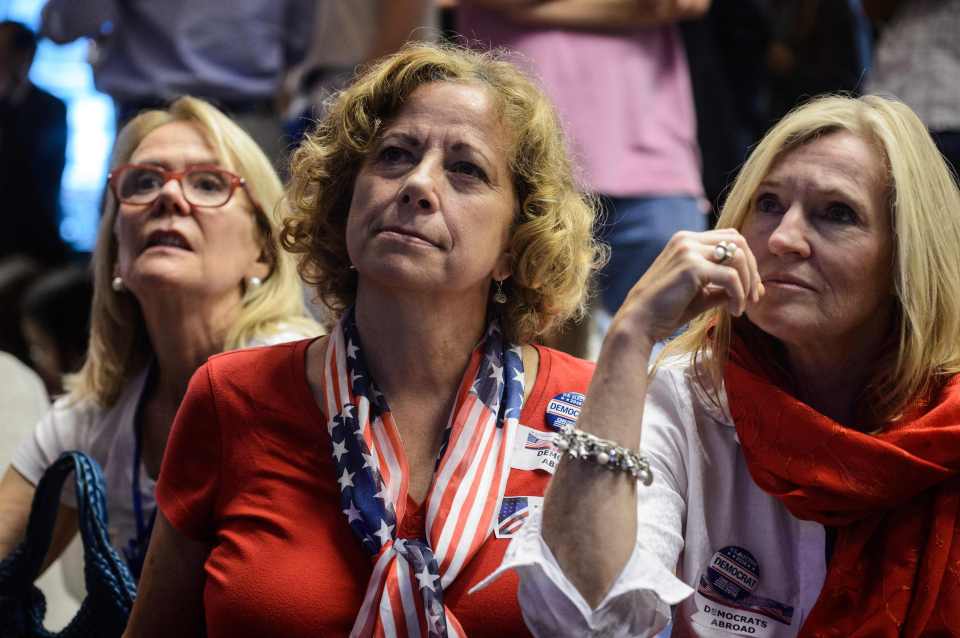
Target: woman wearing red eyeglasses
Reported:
point(186, 266)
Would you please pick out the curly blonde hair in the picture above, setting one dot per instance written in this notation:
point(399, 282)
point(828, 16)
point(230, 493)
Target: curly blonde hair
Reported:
point(924, 207)
point(551, 243)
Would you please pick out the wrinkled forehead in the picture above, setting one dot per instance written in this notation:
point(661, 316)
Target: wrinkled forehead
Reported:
point(468, 109)
point(177, 145)
point(838, 160)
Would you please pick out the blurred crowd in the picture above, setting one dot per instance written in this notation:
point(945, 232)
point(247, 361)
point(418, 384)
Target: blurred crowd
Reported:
point(660, 110)
point(660, 114)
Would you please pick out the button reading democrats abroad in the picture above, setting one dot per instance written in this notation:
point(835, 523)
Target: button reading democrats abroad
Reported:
point(727, 598)
point(563, 410)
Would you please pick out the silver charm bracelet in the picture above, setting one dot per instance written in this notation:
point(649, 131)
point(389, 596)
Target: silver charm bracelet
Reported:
point(577, 444)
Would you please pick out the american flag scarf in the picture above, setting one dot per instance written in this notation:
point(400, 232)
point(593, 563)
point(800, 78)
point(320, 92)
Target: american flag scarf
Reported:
point(405, 594)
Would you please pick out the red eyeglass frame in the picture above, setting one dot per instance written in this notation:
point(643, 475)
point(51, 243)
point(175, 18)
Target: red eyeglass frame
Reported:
point(235, 181)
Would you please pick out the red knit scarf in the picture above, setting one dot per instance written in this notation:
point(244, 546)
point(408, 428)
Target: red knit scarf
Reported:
point(894, 498)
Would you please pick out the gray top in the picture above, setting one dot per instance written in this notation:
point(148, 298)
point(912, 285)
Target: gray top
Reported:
point(229, 51)
point(918, 61)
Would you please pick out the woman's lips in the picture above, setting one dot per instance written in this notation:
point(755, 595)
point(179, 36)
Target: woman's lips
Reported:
point(786, 282)
point(166, 239)
point(406, 234)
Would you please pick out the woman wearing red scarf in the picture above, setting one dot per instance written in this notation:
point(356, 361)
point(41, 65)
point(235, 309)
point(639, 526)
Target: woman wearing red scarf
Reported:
point(804, 431)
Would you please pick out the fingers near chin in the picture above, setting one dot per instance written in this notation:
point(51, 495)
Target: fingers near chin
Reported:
point(729, 279)
point(744, 259)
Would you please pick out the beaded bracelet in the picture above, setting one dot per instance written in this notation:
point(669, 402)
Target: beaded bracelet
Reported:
point(578, 444)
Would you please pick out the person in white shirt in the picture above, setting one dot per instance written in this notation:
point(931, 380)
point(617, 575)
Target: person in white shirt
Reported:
point(187, 265)
point(803, 432)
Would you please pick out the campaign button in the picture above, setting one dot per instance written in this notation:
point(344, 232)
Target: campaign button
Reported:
point(734, 572)
point(563, 410)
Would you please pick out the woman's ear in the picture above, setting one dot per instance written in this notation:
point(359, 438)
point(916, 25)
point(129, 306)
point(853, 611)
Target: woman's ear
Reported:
point(261, 268)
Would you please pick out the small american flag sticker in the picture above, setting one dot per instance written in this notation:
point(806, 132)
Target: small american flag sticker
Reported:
point(514, 512)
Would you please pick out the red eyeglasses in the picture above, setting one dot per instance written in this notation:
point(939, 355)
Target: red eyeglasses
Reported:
point(202, 186)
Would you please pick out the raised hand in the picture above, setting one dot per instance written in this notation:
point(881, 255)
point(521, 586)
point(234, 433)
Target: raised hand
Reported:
point(693, 273)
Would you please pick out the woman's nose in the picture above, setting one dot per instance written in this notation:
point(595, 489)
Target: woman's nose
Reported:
point(790, 236)
point(419, 190)
point(421, 202)
point(172, 199)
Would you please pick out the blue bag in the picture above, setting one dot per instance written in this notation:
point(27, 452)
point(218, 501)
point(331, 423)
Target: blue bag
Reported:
point(110, 587)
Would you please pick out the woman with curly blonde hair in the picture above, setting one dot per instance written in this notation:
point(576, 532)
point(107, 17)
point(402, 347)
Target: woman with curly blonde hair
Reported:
point(187, 264)
point(363, 483)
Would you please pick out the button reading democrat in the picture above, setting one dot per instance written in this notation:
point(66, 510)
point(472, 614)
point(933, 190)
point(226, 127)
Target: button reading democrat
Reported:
point(734, 571)
point(563, 410)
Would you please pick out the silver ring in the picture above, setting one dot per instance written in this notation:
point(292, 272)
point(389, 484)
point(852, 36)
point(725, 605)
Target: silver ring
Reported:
point(724, 250)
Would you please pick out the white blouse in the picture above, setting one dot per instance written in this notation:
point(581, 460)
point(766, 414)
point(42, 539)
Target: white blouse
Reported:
point(744, 565)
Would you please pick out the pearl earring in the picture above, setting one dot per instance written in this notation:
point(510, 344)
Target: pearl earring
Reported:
point(254, 282)
point(117, 284)
point(499, 296)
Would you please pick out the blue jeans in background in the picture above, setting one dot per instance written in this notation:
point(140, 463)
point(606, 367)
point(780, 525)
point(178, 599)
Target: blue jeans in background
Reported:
point(637, 229)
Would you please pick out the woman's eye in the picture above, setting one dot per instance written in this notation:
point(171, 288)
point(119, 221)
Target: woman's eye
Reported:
point(470, 169)
point(146, 181)
point(768, 203)
point(208, 182)
point(840, 213)
point(393, 155)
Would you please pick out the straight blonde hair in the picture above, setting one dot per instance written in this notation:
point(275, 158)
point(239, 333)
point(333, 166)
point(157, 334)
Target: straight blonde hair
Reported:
point(119, 346)
point(924, 207)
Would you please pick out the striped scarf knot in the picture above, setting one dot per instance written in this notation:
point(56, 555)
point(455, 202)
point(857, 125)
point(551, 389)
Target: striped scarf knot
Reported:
point(404, 596)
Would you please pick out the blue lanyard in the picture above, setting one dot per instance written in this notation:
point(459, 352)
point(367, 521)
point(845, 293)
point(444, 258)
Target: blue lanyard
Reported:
point(136, 548)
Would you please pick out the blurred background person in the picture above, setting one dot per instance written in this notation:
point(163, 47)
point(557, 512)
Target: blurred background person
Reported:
point(918, 60)
point(33, 142)
point(16, 276)
point(234, 55)
point(187, 265)
point(55, 320)
point(751, 61)
point(347, 34)
point(813, 47)
point(618, 74)
point(23, 401)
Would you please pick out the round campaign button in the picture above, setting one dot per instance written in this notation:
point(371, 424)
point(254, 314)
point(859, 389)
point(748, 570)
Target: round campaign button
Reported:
point(563, 410)
point(734, 572)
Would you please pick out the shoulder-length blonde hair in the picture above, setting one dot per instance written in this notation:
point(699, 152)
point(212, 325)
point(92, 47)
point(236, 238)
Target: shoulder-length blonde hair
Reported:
point(924, 208)
point(119, 345)
point(551, 243)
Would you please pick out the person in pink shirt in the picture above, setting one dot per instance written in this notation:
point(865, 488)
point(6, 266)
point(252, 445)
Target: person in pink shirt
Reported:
point(617, 72)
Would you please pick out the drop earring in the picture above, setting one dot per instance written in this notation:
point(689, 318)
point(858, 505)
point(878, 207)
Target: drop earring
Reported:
point(499, 296)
